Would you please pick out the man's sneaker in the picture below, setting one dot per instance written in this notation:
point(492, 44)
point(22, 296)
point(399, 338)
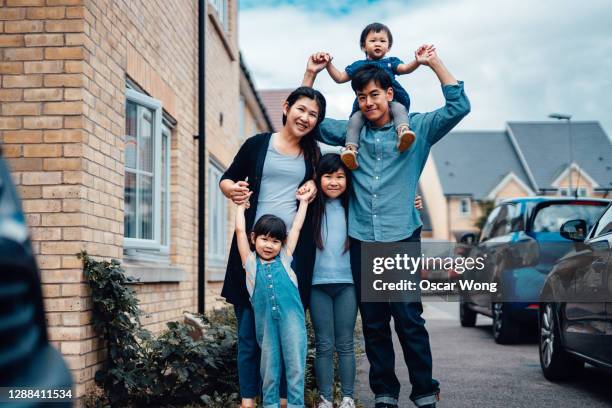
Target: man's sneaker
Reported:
point(323, 403)
point(349, 158)
point(347, 402)
point(405, 138)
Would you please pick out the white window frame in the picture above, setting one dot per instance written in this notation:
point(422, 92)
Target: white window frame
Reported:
point(217, 259)
point(155, 243)
point(221, 7)
point(468, 202)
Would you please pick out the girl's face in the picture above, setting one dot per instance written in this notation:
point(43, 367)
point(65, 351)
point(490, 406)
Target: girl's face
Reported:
point(376, 45)
point(267, 247)
point(333, 184)
point(301, 116)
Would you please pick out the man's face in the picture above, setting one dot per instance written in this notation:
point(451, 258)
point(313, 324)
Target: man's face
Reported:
point(374, 103)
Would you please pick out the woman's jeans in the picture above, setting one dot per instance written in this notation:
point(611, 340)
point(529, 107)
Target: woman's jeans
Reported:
point(249, 355)
point(333, 311)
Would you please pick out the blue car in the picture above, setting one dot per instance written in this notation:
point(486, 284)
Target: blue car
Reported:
point(520, 242)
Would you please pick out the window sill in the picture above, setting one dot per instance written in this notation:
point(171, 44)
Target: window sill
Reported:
point(150, 272)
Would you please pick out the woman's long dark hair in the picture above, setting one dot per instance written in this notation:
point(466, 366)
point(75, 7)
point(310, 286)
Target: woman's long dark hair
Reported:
point(308, 144)
point(329, 163)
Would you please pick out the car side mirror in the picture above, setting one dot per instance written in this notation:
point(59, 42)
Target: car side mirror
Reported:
point(574, 230)
point(468, 238)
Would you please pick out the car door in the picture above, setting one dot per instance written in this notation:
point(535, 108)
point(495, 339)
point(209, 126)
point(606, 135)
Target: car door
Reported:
point(586, 324)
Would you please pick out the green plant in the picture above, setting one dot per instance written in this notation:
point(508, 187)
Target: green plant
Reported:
point(485, 209)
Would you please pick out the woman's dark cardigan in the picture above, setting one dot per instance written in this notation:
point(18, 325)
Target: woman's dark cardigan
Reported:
point(249, 162)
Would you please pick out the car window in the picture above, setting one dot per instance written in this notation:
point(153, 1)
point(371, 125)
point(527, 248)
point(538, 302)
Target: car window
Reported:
point(604, 225)
point(551, 217)
point(486, 230)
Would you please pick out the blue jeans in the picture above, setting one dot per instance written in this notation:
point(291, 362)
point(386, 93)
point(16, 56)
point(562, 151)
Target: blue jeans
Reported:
point(249, 355)
point(333, 310)
point(413, 337)
point(280, 329)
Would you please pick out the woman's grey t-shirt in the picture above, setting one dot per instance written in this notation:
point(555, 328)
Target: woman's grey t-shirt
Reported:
point(280, 179)
point(333, 263)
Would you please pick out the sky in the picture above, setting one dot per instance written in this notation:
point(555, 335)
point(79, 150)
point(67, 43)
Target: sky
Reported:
point(520, 60)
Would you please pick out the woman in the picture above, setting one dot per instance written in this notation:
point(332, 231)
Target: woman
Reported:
point(271, 167)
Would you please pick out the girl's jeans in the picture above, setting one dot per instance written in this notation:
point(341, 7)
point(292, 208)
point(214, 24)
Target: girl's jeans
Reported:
point(333, 310)
point(280, 329)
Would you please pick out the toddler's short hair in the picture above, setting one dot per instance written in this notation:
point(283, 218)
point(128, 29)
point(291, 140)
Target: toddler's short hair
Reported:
point(376, 28)
point(272, 226)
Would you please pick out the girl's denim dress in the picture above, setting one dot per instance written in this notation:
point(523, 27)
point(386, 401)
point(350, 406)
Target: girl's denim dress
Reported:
point(280, 327)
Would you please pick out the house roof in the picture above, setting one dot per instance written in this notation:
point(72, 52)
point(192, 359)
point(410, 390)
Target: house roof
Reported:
point(273, 99)
point(546, 149)
point(475, 162)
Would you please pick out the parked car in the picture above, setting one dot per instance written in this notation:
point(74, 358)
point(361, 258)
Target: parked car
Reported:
point(575, 318)
point(520, 242)
point(27, 360)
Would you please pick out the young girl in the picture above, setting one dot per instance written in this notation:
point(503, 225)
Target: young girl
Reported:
point(376, 40)
point(280, 327)
point(333, 303)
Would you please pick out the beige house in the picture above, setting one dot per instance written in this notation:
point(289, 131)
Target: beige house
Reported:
point(469, 168)
point(99, 108)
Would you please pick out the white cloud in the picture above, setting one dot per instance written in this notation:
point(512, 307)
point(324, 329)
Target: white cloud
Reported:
point(520, 60)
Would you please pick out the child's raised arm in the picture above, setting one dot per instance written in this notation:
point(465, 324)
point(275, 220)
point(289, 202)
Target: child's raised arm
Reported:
point(410, 67)
point(242, 238)
point(298, 222)
point(338, 76)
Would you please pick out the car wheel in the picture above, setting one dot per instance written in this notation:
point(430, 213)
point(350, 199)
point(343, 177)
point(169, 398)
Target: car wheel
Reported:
point(557, 364)
point(505, 330)
point(467, 317)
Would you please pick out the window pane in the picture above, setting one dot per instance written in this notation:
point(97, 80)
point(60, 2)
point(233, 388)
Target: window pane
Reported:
point(130, 135)
point(145, 143)
point(164, 190)
point(129, 216)
point(145, 210)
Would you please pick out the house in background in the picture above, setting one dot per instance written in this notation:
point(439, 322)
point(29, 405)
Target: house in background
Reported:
point(468, 168)
point(99, 108)
point(273, 100)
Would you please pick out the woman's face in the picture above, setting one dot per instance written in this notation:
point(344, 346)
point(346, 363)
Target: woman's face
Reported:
point(301, 116)
point(333, 184)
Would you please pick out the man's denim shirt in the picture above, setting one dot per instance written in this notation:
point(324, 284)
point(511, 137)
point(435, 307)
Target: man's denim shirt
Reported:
point(381, 205)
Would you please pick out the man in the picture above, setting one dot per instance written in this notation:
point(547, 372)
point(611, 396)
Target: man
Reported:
point(378, 212)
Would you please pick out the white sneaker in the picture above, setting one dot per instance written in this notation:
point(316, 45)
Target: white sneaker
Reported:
point(323, 403)
point(347, 402)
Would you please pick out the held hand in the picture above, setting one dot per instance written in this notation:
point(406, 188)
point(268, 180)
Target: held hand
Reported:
point(425, 54)
point(240, 192)
point(317, 62)
point(246, 204)
point(309, 189)
point(418, 203)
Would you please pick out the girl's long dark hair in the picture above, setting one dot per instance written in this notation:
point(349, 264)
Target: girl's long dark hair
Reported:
point(329, 163)
point(308, 144)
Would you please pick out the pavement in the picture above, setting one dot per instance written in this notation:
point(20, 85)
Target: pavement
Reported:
point(476, 372)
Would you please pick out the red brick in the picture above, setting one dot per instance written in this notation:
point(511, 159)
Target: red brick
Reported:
point(64, 53)
point(43, 122)
point(46, 13)
point(63, 108)
point(11, 95)
point(43, 94)
point(75, 12)
point(11, 67)
point(65, 2)
point(24, 26)
point(7, 40)
point(64, 26)
point(12, 13)
point(42, 40)
point(42, 150)
point(23, 54)
point(19, 109)
point(22, 81)
point(11, 151)
point(10, 123)
point(43, 67)
point(24, 3)
point(23, 136)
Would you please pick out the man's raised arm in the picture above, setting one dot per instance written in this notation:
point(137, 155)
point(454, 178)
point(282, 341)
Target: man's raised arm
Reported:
point(439, 122)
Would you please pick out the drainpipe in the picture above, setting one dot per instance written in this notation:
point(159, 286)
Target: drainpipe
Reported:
point(201, 155)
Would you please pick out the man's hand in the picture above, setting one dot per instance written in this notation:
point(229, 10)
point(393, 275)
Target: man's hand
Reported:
point(309, 189)
point(240, 192)
point(425, 54)
point(418, 203)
